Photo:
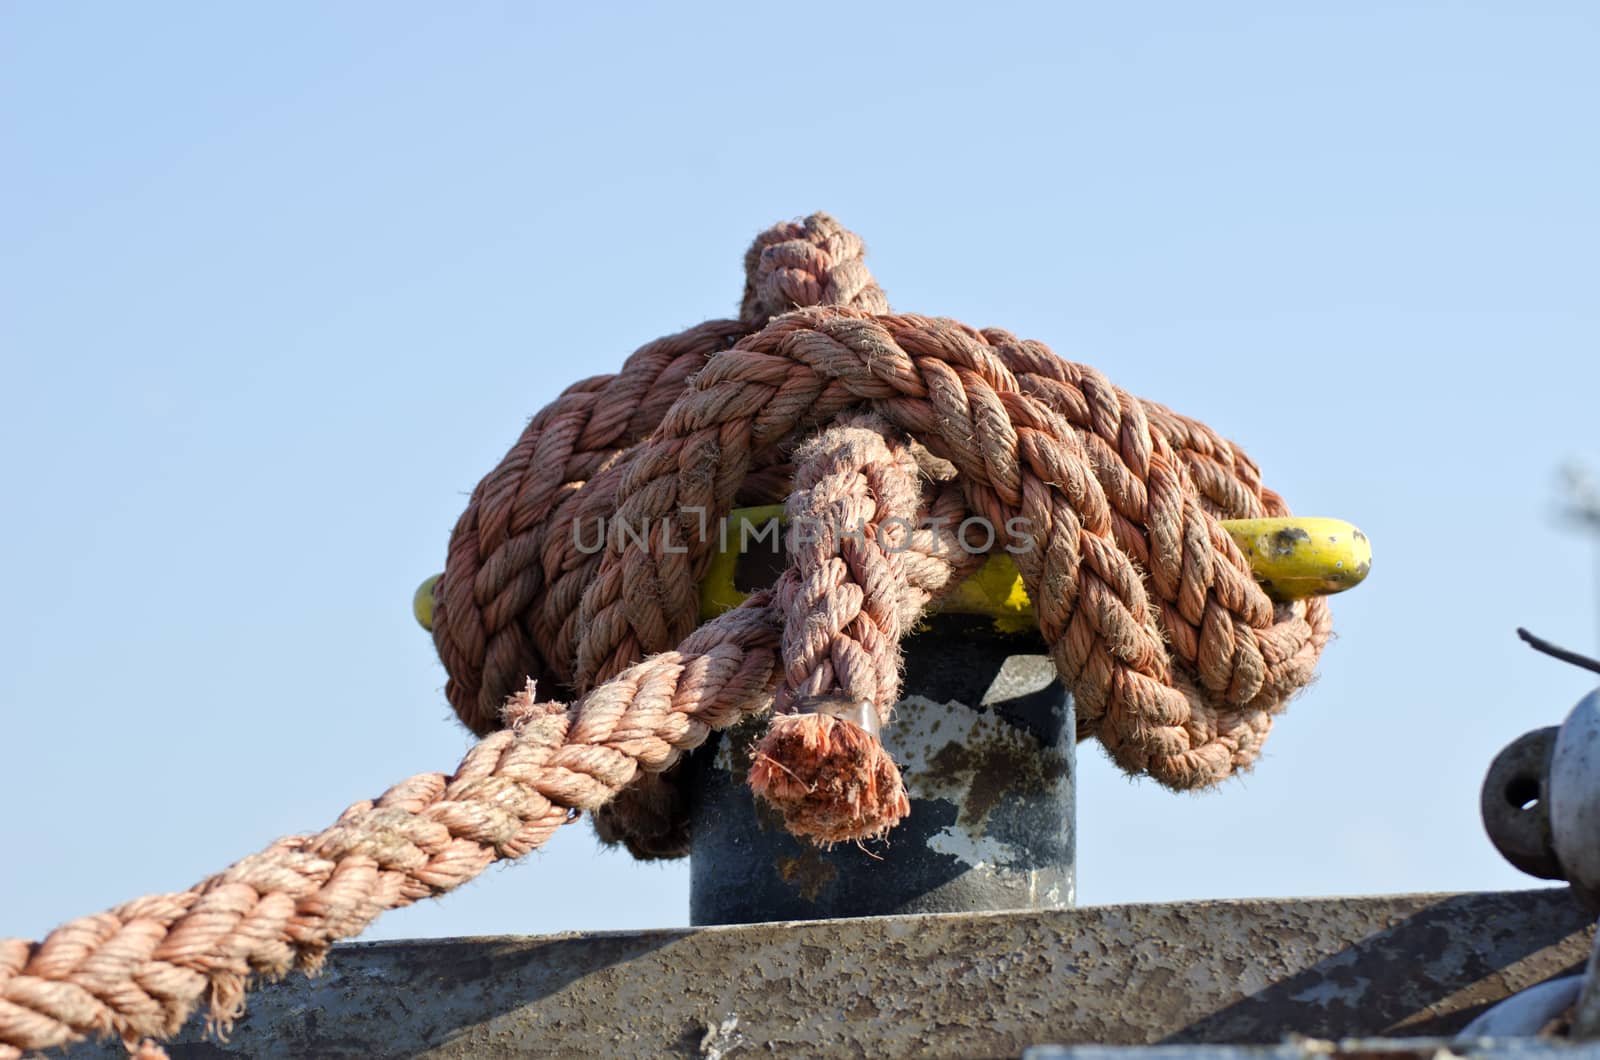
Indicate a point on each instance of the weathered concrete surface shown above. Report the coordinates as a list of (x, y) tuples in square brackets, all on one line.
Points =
[(1317, 1049), (967, 985)]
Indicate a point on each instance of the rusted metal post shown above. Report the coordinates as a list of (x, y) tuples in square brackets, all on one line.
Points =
[(985, 740)]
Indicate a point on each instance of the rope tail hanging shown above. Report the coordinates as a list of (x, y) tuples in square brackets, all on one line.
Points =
[(888, 429), (858, 578)]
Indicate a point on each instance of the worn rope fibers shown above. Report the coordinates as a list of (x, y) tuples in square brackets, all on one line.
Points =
[(1176, 658)]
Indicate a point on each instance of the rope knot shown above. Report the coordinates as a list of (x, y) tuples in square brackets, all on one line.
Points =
[(814, 262), (887, 438)]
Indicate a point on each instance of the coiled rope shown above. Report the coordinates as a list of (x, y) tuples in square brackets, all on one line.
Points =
[(859, 418)]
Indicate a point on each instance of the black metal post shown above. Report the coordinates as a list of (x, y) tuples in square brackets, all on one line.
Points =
[(985, 740)]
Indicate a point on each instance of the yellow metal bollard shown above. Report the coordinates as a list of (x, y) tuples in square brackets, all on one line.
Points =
[(1293, 558)]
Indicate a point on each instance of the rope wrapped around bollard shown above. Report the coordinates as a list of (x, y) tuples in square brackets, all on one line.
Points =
[(889, 429)]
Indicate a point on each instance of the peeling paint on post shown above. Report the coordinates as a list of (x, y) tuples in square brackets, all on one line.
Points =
[(985, 740)]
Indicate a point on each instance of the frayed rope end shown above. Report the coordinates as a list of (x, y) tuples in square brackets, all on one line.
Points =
[(831, 779), (523, 708)]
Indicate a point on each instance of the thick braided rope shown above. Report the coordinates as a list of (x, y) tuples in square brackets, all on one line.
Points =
[(507, 607), (851, 587), (866, 558), (816, 261), (139, 970), (1081, 476), (846, 593), (511, 599), (499, 617)]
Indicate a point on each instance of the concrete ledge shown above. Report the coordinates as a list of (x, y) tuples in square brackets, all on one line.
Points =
[(968, 985), (1317, 1049)]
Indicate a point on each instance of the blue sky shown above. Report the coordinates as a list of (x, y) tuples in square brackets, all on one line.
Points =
[(279, 283)]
